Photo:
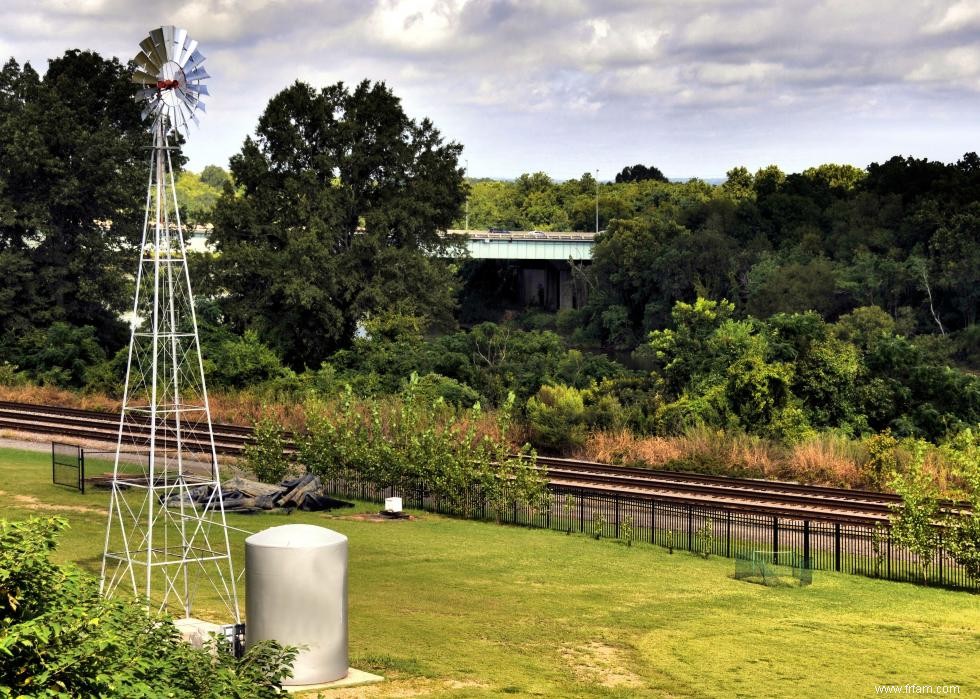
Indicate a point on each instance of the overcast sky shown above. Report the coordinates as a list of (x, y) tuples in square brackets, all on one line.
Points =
[(691, 86)]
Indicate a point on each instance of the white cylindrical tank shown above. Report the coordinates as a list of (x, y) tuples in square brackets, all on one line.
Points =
[(296, 593)]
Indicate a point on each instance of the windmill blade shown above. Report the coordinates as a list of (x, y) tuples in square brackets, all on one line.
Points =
[(191, 114), (180, 37), (194, 103), (196, 59), (144, 78), (202, 90), (199, 74), (189, 50), (150, 51), (156, 35), (144, 62), (183, 119), (168, 41)]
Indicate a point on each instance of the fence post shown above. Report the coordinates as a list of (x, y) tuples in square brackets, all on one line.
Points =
[(940, 554), (551, 502), (728, 533), (888, 542), (581, 511), (81, 469), (653, 522), (837, 546), (690, 525), (775, 541), (806, 544), (617, 514)]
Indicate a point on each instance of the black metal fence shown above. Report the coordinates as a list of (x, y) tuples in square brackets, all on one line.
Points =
[(68, 465), (860, 549)]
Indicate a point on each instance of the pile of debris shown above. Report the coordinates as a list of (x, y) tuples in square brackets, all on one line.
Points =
[(242, 495)]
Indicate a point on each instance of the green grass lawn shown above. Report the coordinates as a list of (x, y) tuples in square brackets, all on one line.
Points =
[(452, 608)]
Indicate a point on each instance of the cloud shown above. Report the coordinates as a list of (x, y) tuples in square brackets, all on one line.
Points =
[(570, 67)]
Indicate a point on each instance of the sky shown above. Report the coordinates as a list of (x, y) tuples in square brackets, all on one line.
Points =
[(694, 87)]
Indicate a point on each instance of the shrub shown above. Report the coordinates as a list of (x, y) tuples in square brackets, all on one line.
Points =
[(598, 523), (61, 355), (913, 520), (265, 457), (704, 538), (434, 386), (412, 442), (626, 529), (60, 638), (556, 417)]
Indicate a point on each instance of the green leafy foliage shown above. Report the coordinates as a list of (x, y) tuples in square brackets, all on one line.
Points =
[(626, 530), (342, 200), (598, 523), (415, 443), (704, 538), (265, 456), (72, 178), (60, 638), (913, 522), (963, 530), (556, 417)]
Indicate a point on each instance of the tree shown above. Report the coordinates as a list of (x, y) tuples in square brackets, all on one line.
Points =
[(913, 521), (343, 198), (196, 198), (640, 173), (215, 176), (956, 251), (72, 179)]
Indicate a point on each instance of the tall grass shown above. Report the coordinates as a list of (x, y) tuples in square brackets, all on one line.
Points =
[(823, 459)]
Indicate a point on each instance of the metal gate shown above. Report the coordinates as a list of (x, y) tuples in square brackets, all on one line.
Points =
[(68, 465)]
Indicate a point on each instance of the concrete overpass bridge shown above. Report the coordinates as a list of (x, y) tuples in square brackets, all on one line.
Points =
[(496, 244), (538, 263), (543, 262)]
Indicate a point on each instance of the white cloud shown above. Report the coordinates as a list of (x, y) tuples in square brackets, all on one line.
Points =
[(735, 68)]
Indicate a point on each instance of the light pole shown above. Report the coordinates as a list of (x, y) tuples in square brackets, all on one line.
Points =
[(466, 224), (597, 202)]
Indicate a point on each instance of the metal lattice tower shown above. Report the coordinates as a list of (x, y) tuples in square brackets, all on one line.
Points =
[(161, 543)]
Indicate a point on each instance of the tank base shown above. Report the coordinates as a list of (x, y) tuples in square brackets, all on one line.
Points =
[(355, 678)]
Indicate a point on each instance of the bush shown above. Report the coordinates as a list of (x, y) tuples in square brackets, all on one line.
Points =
[(265, 457), (242, 361), (61, 355), (436, 386), (412, 442), (556, 417), (60, 638)]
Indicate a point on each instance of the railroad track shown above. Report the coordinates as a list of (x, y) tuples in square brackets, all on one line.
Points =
[(775, 498)]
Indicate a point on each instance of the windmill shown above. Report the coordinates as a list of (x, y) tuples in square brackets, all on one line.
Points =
[(161, 542)]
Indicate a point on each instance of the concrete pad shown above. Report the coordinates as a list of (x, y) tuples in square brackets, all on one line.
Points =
[(196, 631), (355, 678)]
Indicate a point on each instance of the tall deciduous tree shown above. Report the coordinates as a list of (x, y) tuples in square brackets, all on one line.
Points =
[(343, 200), (72, 164)]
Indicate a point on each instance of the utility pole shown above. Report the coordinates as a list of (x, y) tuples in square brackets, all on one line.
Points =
[(466, 225), (597, 202)]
